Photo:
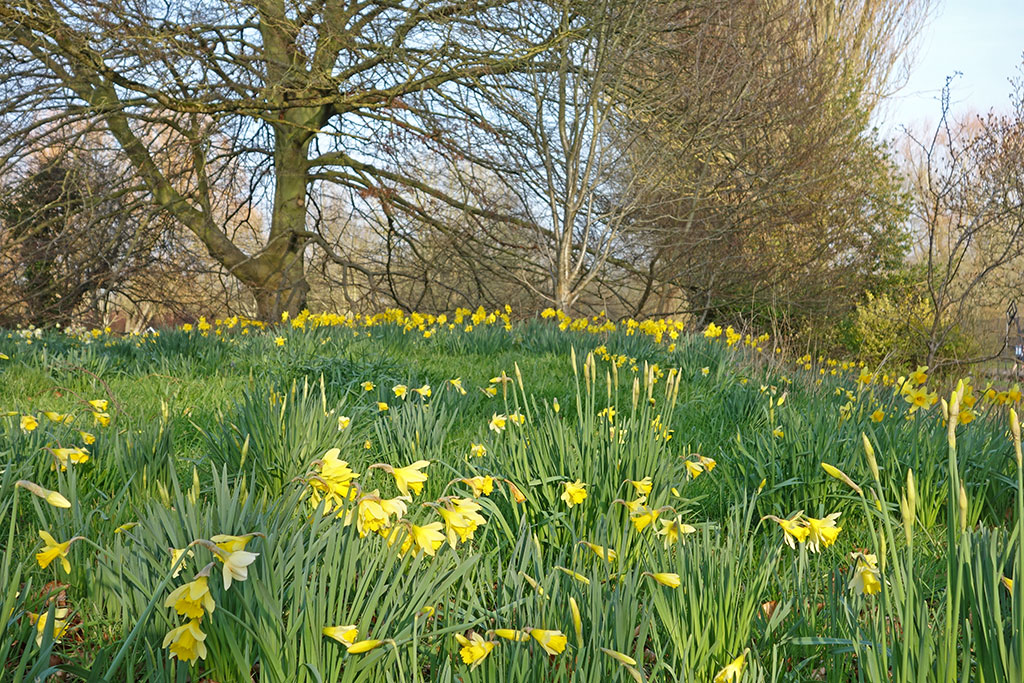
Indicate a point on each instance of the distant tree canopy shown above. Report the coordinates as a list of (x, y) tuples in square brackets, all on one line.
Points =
[(652, 156)]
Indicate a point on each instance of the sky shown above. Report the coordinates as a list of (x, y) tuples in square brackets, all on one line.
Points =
[(983, 40)]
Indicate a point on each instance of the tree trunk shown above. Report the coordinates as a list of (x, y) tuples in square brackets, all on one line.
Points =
[(280, 284)]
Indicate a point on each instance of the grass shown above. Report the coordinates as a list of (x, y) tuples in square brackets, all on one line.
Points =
[(229, 428)]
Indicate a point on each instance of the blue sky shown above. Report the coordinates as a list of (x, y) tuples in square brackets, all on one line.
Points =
[(983, 39)]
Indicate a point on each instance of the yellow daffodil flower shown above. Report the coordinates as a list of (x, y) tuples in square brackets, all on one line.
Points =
[(346, 635), (60, 624), (606, 554), (408, 478), (665, 578), (474, 648), (191, 599), (51, 497), (822, 532), (865, 579), (52, 550), (400, 390), (28, 423), (573, 493), (673, 530), (643, 487), (481, 485), (733, 671), (477, 450), (186, 642), (497, 423), (368, 386), (553, 642)]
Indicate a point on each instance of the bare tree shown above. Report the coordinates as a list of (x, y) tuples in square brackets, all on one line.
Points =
[(281, 94)]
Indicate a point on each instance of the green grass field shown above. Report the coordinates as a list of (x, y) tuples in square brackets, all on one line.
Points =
[(600, 503)]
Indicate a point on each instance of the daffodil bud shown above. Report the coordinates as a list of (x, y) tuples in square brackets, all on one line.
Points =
[(572, 357), (636, 391), (837, 473), (519, 377), (954, 416), (911, 493), (869, 452), (962, 503), (945, 409)]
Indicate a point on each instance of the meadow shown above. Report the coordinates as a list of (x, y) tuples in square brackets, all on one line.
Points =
[(405, 497)]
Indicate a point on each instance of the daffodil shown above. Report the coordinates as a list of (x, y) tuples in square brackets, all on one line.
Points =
[(186, 642), (497, 423), (400, 390), (794, 529), (423, 391), (865, 579), (236, 565), (368, 386), (673, 530), (344, 421), (822, 532), (102, 419), (457, 384), (60, 624), (514, 491), (87, 438), (481, 485), (1007, 583), (52, 550), (474, 648), (28, 423), (231, 544), (733, 671), (643, 517), (51, 497), (643, 487), (408, 478), (176, 554), (99, 404), (73, 455), (693, 469), (606, 554), (477, 450), (878, 415), (346, 635), (191, 599), (427, 538), (460, 520), (382, 406), (579, 577), (553, 642), (59, 418), (573, 493)]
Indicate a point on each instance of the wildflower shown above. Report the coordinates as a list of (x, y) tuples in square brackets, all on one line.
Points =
[(368, 386), (705, 371), (707, 463), (665, 578), (673, 530), (1007, 583), (497, 423), (344, 421), (490, 392), (279, 341), (175, 556), (231, 543), (190, 599), (28, 423), (794, 529), (878, 415), (236, 566), (606, 554), (474, 648), (60, 624), (919, 376), (511, 634), (619, 657), (693, 469), (643, 517), (643, 487), (865, 579), (66, 455), (553, 642), (99, 405), (87, 438), (517, 418), (477, 450), (574, 493), (400, 390), (427, 538), (102, 419), (480, 485), (822, 532), (423, 391), (461, 519), (407, 478), (346, 635), (186, 641), (554, 405), (381, 406), (920, 398), (457, 383), (51, 550), (52, 497), (733, 671), (58, 418)]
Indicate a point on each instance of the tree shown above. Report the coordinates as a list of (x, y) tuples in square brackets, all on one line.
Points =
[(279, 94)]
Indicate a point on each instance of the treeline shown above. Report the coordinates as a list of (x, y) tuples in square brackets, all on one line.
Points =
[(641, 157)]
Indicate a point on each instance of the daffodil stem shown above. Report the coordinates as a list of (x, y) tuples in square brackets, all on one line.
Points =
[(157, 593)]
